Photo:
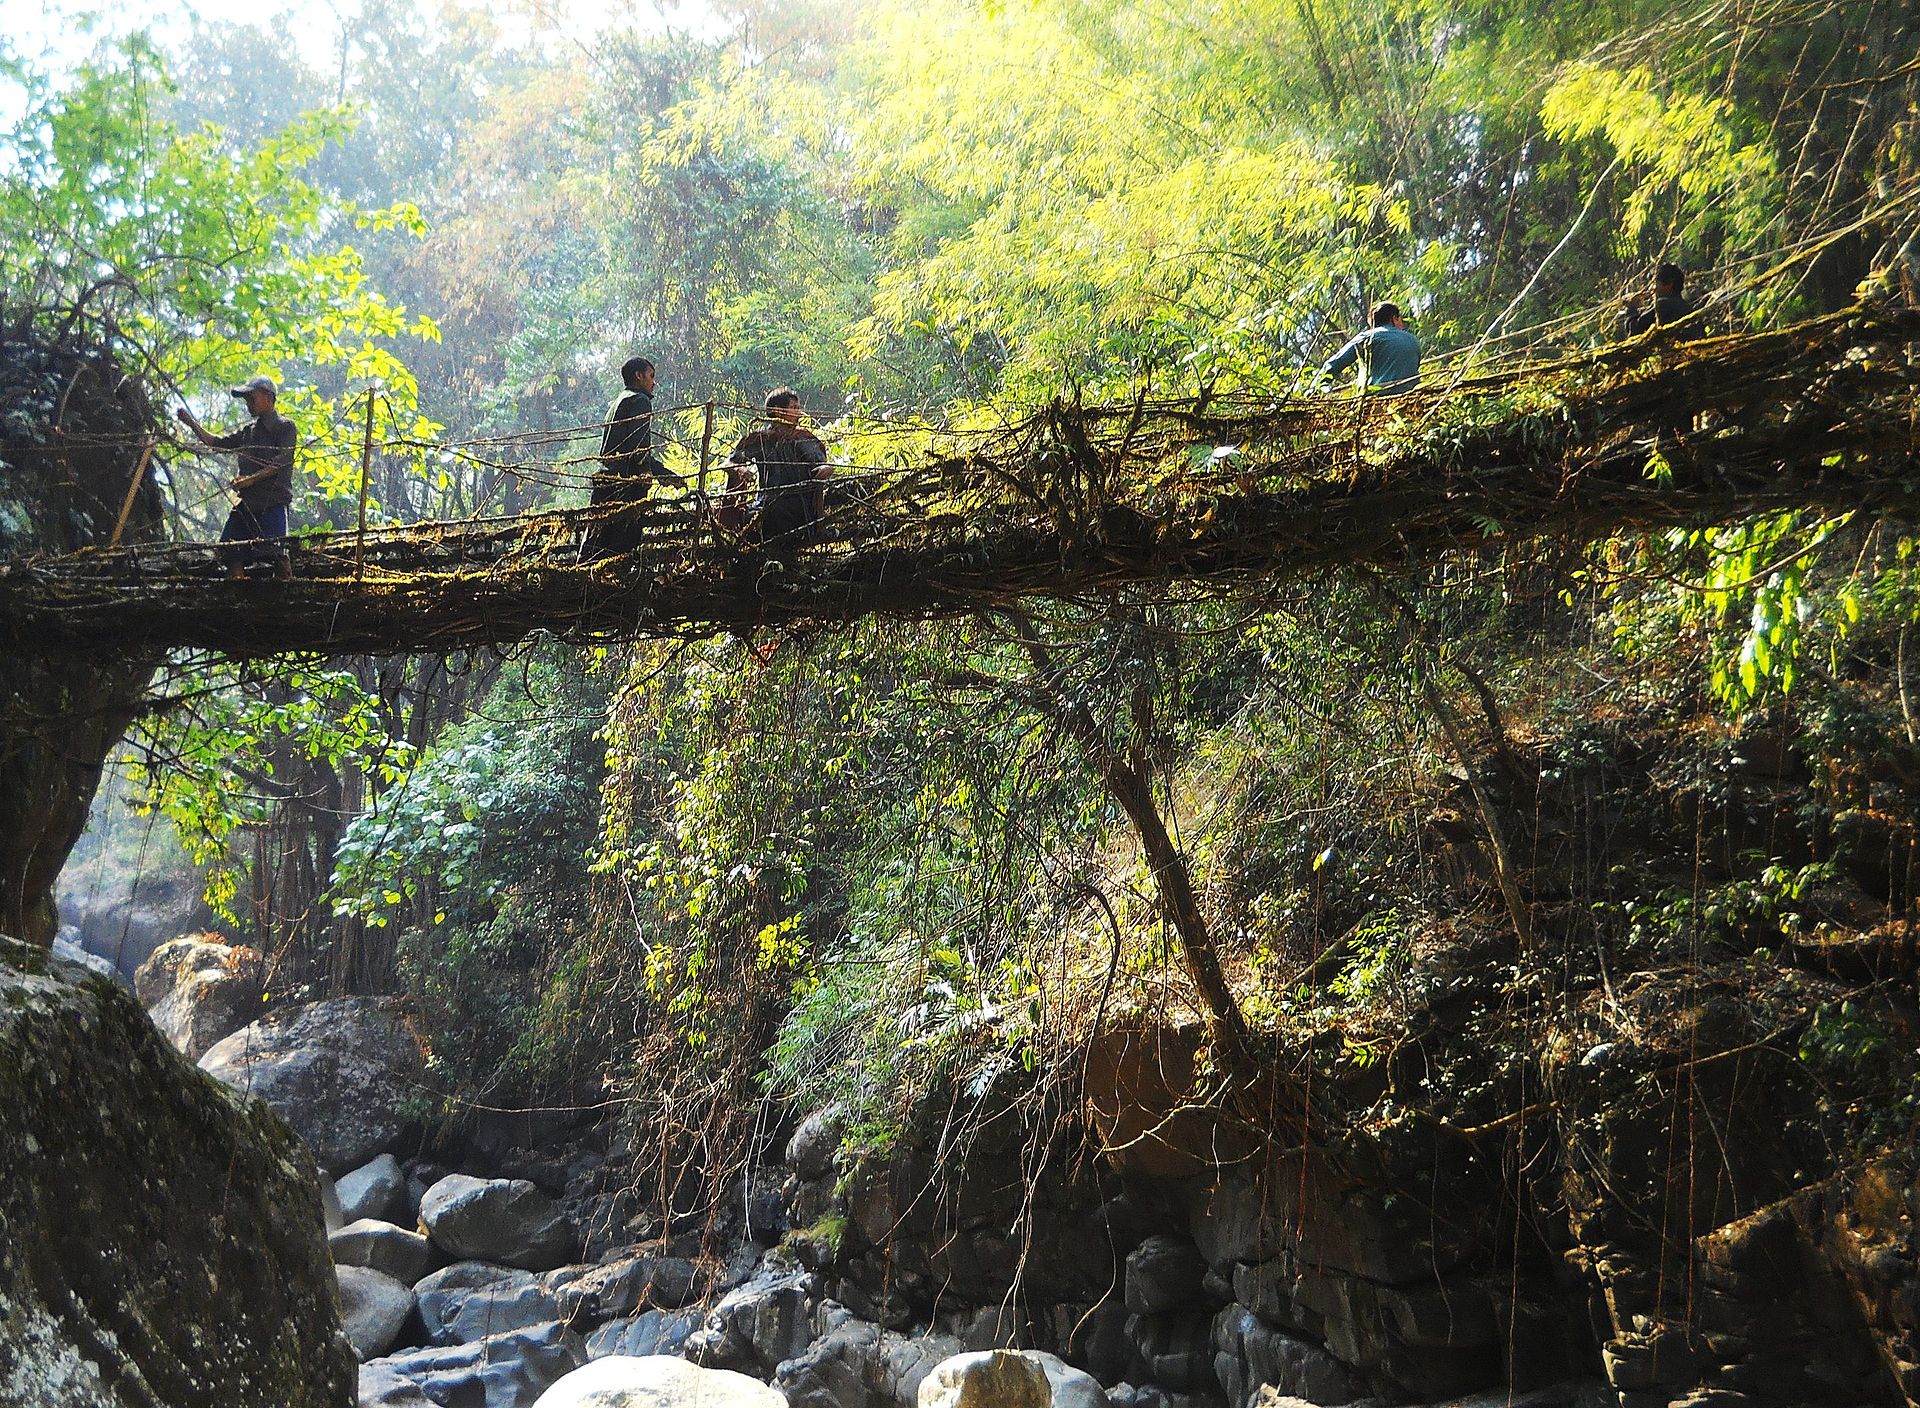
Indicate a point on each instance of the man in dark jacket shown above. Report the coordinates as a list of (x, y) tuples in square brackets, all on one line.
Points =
[(1388, 355), (791, 466), (257, 526), (1670, 305), (628, 467)]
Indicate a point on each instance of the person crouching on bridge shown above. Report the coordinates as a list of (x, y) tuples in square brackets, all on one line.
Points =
[(1388, 354), (790, 463), (257, 527), (628, 467)]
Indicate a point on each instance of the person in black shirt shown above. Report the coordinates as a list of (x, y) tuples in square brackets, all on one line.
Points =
[(790, 465), (257, 526), (1670, 305), (628, 467)]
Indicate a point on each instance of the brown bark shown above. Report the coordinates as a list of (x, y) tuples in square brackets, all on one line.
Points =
[(68, 481), (1128, 778)]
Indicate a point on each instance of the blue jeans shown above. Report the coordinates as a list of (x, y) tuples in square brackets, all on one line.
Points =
[(246, 525)]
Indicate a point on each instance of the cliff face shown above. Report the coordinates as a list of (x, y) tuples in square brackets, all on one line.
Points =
[(71, 426), (164, 1236)]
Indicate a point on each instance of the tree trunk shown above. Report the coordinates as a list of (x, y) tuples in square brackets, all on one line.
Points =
[(71, 457)]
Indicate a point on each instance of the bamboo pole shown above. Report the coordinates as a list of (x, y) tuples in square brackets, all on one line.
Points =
[(366, 469), (706, 461), (133, 489)]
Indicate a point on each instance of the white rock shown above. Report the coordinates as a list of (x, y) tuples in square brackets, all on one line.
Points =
[(657, 1381), (991, 1378)]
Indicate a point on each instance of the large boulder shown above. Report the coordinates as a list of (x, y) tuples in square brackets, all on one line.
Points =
[(377, 1189), (990, 1378), (343, 1073), (374, 1307), (199, 989), (160, 1230), (503, 1220), (509, 1370), (398, 1252), (471, 1300), (657, 1381)]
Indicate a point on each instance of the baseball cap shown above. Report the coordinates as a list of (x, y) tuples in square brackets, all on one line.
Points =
[(259, 383)]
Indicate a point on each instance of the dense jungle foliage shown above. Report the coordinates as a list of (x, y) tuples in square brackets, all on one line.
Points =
[(854, 864)]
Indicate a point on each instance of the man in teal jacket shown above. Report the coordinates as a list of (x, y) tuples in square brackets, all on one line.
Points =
[(1388, 352)]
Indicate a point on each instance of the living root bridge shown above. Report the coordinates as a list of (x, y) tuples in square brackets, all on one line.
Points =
[(1081, 502)]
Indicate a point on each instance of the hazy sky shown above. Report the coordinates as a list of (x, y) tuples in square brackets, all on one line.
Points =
[(55, 34)]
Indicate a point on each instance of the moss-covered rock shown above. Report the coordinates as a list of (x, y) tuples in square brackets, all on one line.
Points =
[(163, 1236)]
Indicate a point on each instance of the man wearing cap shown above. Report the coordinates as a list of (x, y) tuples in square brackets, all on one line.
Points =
[(264, 448)]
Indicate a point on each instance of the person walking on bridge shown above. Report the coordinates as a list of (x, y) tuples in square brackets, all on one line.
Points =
[(790, 463), (257, 526), (628, 467), (1389, 355)]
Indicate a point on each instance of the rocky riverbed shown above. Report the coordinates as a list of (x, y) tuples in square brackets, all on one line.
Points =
[(1192, 1266)]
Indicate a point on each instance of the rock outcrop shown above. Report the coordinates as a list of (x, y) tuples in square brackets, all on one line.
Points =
[(343, 1073), (163, 1236)]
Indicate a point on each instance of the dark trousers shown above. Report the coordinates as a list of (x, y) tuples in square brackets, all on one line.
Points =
[(259, 538), (618, 519)]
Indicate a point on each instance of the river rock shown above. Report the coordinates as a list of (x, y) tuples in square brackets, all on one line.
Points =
[(343, 1073), (992, 1378), (503, 1220), (399, 1252), (651, 1332), (837, 1370), (509, 1370), (1069, 1387), (118, 1161), (200, 988), (471, 1300), (1164, 1273), (377, 1189), (373, 1306), (629, 1284), (756, 1325), (657, 1381)]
